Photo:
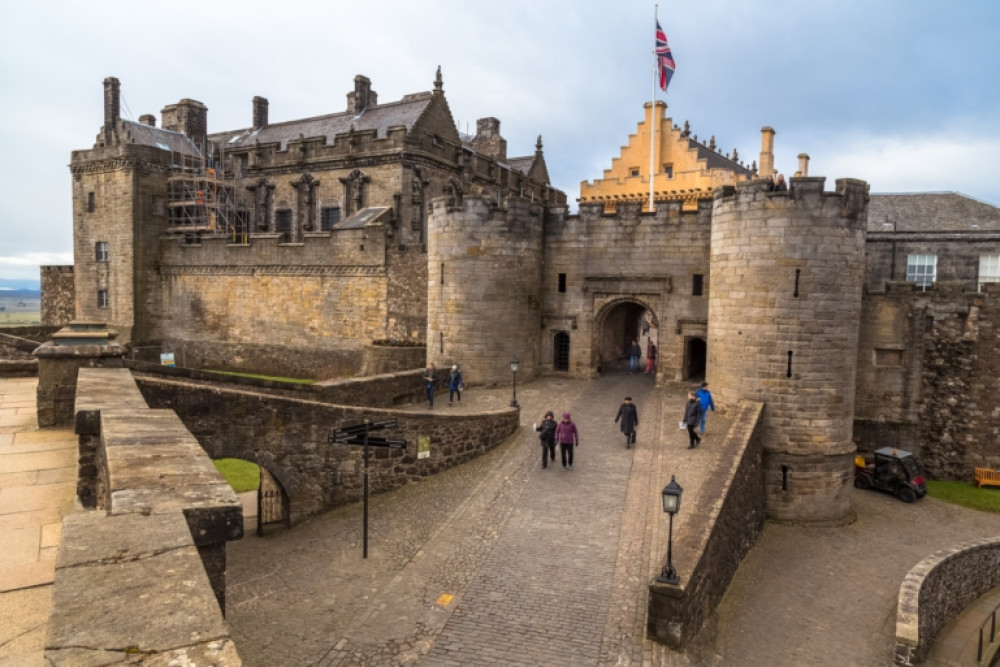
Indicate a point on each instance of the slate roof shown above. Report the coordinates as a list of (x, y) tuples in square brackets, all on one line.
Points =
[(132, 132), (931, 212), (521, 164), (380, 118), (363, 217), (716, 161)]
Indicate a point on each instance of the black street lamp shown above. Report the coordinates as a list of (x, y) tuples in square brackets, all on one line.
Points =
[(515, 366), (671, 505)]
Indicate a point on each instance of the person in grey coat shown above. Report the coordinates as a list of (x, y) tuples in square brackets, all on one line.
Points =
[(629, 417), (692, 417)]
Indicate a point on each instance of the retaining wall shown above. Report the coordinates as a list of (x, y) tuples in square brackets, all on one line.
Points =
[(937, 589), (731, 512)]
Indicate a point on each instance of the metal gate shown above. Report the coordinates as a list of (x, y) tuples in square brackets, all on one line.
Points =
[(560, 351), (272, 503)]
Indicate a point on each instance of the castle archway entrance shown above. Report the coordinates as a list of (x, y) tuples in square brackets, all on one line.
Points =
[(617, 324)]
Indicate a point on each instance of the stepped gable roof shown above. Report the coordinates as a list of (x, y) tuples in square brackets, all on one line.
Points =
[(931, 212), (380, 118), (716, 161), (132, 132)]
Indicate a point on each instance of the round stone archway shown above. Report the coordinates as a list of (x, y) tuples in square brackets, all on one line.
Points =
[(616, 325)]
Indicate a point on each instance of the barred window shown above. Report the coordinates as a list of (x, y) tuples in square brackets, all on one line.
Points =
[(101, 251), (921, 269)]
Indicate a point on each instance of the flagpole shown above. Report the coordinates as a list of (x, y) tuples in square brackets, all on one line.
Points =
[(652, 115)]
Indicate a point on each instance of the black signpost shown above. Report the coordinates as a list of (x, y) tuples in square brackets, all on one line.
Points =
[(357, 434)]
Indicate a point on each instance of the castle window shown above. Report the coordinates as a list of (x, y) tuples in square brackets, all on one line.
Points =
[(101, 251), (921, 269), (283, 224), (668, 169), (329, 216), (634, 171), (90, 202), (244, 164), (989, 269), (102, 298), (562, 282), (698, 285)]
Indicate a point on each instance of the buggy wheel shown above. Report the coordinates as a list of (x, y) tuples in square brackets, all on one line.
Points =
[(906, 494), (862, 482)]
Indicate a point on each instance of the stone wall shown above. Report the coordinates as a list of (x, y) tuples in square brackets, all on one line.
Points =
[(288, 437), (627, 257), (927, 366), (722, 525), (957, 255), (784, 317), (58, 295), (937, 589)]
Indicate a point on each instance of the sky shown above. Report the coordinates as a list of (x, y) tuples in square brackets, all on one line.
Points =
[(904, 94)]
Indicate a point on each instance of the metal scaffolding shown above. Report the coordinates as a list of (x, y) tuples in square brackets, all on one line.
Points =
[(201, 200)]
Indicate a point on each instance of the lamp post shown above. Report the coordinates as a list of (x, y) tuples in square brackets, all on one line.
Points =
[(671, 505), (515, 366)]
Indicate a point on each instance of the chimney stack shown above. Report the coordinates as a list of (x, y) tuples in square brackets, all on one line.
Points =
[(112, 107), (259, 112), (362, 96), (189, 117), (148, 119), (767, 152), (803, 165)]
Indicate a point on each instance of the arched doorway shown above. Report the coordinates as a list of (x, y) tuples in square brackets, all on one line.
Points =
[(618, 324), (272, 503), (695, 354), (560, 351)]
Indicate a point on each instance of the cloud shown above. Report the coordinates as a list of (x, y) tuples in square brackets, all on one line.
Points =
[(25, 267)]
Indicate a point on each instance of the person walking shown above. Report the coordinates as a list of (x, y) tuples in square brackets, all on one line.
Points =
[(455, 385), (567, 436), (430, 379), (547, 436), (629, 417), (634, 352), (651, 358), (692, 416), (705, 397)]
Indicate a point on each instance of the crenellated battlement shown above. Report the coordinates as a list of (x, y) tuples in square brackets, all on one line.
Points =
[(848, 201)]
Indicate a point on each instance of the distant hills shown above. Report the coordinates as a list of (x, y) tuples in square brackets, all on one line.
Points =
[(20, 285)]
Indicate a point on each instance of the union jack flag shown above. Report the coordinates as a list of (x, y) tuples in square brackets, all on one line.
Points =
[(665, 64)]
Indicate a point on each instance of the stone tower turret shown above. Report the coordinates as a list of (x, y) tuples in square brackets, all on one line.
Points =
[(483, 287), (787, 272)]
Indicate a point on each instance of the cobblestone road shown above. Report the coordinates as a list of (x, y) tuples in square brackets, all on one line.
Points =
[(499, 562)]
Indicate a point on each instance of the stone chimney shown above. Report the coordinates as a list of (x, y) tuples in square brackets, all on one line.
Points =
[(766, 152), (112, 107), (803, 171), (189, 117), (259, 112), (363, 96), (148, 119), (488, 141)]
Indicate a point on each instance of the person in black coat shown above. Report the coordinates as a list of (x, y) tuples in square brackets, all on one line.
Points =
[(547, 436), (692, 417), (629, 417)]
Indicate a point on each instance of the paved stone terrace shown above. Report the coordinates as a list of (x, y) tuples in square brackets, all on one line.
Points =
[(37, 488), (550, 567)]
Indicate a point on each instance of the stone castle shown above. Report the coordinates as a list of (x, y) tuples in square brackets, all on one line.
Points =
[(297, 248)]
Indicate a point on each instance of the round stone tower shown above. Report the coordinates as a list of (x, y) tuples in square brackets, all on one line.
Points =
[(484, 287), (787, 271)]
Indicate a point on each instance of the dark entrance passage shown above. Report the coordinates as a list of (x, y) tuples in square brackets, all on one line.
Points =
[(621, 326), (694, 359), (560, 351)]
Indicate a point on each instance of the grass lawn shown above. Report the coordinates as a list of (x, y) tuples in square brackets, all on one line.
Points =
[(263, 377), (241, 475), (986, 499)]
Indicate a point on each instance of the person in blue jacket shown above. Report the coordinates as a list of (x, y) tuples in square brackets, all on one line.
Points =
[(705, 398)]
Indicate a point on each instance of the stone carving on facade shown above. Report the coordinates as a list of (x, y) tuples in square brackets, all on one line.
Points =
[(262, 193), (453, 190), (305, 191), (354, 191)]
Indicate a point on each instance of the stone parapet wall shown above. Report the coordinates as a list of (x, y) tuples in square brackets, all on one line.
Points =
[(722, 526), (784, 315), (483, 287), (288, 437), (937, 589), (58, 295)]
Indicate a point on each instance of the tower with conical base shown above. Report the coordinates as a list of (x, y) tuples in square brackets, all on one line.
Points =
[(787, 272)]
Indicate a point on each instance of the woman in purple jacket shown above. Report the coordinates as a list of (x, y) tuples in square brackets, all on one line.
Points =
[(567, 436)]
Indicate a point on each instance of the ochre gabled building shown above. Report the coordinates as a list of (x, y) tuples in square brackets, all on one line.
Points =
[(686, 170)]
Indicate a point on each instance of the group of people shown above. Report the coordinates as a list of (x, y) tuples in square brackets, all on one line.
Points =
[(634, 354), (455, 384), (567, 436)]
